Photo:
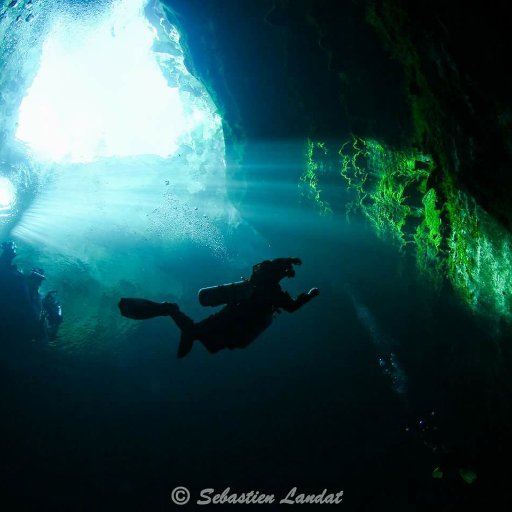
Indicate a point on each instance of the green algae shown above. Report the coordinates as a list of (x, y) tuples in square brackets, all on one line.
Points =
[(385, 183), (316, 153), (450, 236)]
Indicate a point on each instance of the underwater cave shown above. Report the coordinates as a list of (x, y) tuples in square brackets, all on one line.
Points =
[(152, 148)]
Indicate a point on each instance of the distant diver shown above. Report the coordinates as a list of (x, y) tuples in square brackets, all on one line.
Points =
[(24, 313), (7, 267), (249, 310)]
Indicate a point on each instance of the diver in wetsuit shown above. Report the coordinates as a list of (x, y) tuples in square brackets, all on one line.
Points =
[(6, 259), (240, 322), (13, 294), (24, 313), (46, 312), (34, 312)]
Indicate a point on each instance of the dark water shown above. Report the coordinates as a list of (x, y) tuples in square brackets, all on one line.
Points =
[(314, 403), (306, 405)]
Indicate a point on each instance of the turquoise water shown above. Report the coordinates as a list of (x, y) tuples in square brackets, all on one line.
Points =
[(308, 404), (367, 389)]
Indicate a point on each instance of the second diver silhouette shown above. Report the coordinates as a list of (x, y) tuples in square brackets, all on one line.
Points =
[(249, 310)]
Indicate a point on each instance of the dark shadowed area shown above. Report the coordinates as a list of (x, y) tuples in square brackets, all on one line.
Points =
[(390, 386)]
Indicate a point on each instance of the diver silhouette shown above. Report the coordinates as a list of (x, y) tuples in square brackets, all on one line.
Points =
[(9, 252), (249, 310), (24, 313)]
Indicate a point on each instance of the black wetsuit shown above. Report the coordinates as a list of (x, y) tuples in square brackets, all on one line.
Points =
[(238, 324), (21, 311), (13, 299)]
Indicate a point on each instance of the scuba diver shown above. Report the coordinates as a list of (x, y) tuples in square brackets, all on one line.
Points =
[(34, 303), (249, 310), (24, 313), (7, 267), (46, 311), (13, 292), (52, 311)]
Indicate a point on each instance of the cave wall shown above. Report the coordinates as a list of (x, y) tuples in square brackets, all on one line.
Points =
[(431, 74), (454, 57), (286, 71)]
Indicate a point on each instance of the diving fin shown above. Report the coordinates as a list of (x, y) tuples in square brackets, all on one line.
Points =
[(142, 309), (185, 346)]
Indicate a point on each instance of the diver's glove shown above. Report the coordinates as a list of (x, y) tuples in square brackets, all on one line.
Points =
[(304, 298), (314, 292)]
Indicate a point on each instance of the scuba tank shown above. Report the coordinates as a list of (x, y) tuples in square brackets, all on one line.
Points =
[(225, 293), (52, 314)]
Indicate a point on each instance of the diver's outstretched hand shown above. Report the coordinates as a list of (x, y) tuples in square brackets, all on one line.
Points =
[(314, 292)]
